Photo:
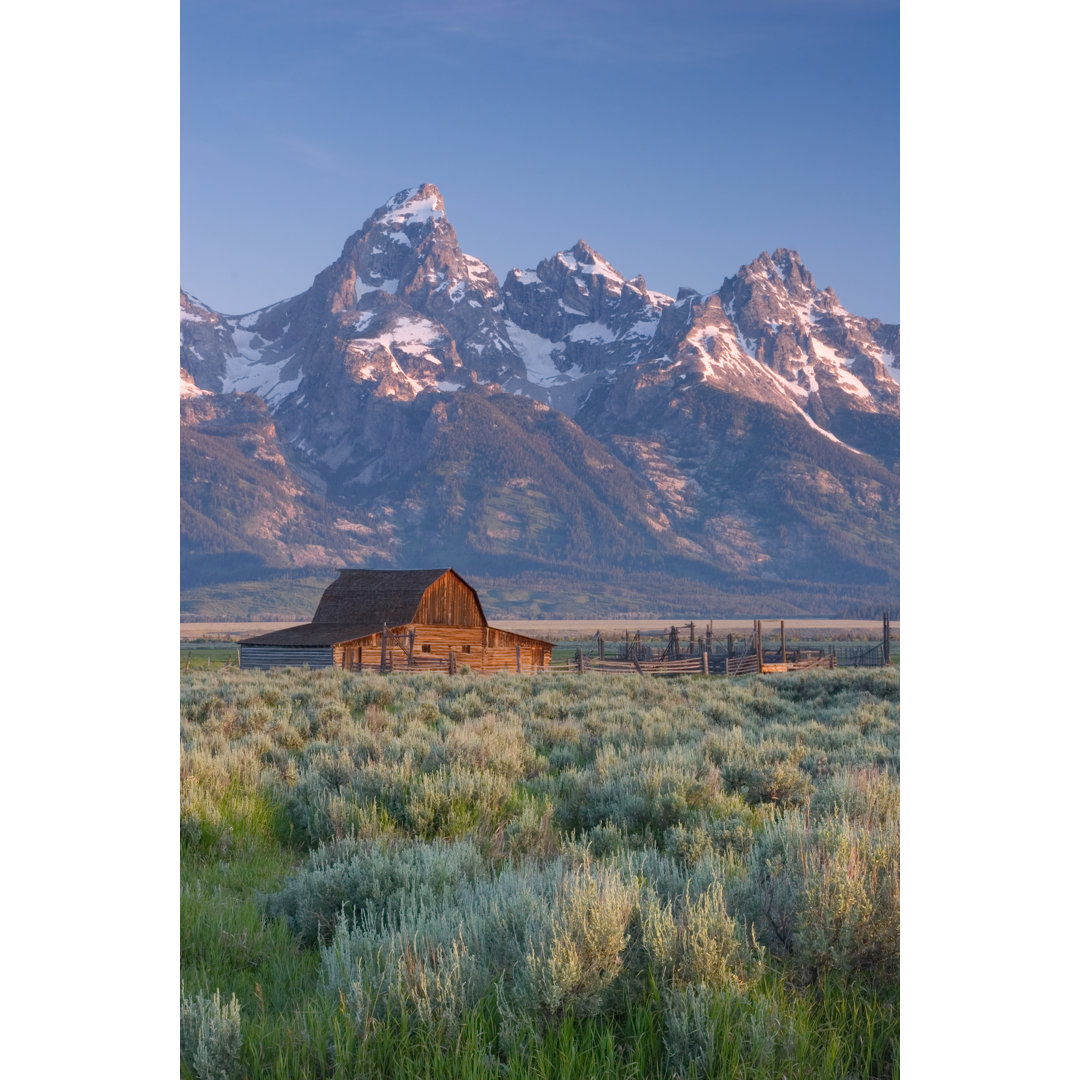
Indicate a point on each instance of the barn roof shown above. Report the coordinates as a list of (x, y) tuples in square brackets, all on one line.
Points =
[(316, 634), (359, 603), (382, 596)]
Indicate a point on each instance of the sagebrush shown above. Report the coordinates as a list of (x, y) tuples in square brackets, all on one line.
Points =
[(488, 868)]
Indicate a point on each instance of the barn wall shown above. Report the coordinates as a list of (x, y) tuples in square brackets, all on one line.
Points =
[(268, 656), (475, 646), (449, 602), (538, 652), (354, 654)]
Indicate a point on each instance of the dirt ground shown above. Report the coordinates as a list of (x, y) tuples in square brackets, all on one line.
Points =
[(556, 629)]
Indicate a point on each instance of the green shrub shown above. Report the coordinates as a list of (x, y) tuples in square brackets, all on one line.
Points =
[(450, 802), (364, 879), (695, 942), (576, 870), (825, 894), (690, 1024), (210, 1036), (531, 831), (575, 966), (871, 796)]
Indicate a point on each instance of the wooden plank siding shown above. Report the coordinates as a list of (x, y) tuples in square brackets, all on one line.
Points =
[(450, 601), (484, 648), (267, 656)]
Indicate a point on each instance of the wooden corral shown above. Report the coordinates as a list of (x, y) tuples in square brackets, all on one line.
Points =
[(705, 655), (392, 620)]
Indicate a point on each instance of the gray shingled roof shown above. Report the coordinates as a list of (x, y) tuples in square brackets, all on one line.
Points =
[(315, 634), (359, 603), (390, 596)]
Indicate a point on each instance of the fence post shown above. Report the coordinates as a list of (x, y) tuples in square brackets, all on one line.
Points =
[(580, 657), (451, 667), (517, 650), (783, 644), (760, 656), (704, 662)]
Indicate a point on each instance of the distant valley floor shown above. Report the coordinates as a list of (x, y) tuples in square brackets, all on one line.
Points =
[(577, 628), (535, 598)]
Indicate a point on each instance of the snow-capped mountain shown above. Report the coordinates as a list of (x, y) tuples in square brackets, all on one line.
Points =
[(391, 382)]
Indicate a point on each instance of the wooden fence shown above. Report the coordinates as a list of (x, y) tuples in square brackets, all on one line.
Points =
[(861, 655), (697, 665)]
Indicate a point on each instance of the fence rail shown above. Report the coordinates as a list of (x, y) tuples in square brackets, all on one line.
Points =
[(697, 665), (850, 656), (742, 665)]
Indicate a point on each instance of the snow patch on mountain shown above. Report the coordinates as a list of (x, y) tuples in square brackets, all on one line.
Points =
[(247, 373), (839, 366), (412, 206), (539, 356), (599, 266), (479, 275), (414, 336), (644, 329), (827, 434)]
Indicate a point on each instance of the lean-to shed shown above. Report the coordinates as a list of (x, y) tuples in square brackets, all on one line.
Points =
[(393, 619)]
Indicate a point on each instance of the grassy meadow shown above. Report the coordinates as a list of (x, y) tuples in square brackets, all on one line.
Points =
[(550, 876)]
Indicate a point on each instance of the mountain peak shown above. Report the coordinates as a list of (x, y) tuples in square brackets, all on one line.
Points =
[(582, 258), (785, 257), (412, 205), (583, 252), (792, 269)]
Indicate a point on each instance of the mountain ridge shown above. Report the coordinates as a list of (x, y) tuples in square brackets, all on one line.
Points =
[(567, 417)]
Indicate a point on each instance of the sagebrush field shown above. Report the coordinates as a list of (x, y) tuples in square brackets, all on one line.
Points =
[(555, 876)]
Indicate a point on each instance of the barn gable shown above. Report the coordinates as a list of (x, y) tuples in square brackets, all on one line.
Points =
[(397, 597)]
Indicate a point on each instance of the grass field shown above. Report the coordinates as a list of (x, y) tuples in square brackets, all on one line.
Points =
[(555, 876)]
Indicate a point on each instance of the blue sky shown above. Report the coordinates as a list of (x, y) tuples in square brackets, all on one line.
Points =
[(679, 140)]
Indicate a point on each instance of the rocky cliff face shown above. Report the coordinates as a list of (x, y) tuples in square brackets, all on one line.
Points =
[(570, 417), (244, 510)]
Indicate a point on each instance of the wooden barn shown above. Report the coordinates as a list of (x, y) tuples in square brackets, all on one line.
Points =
[(388, 620)]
